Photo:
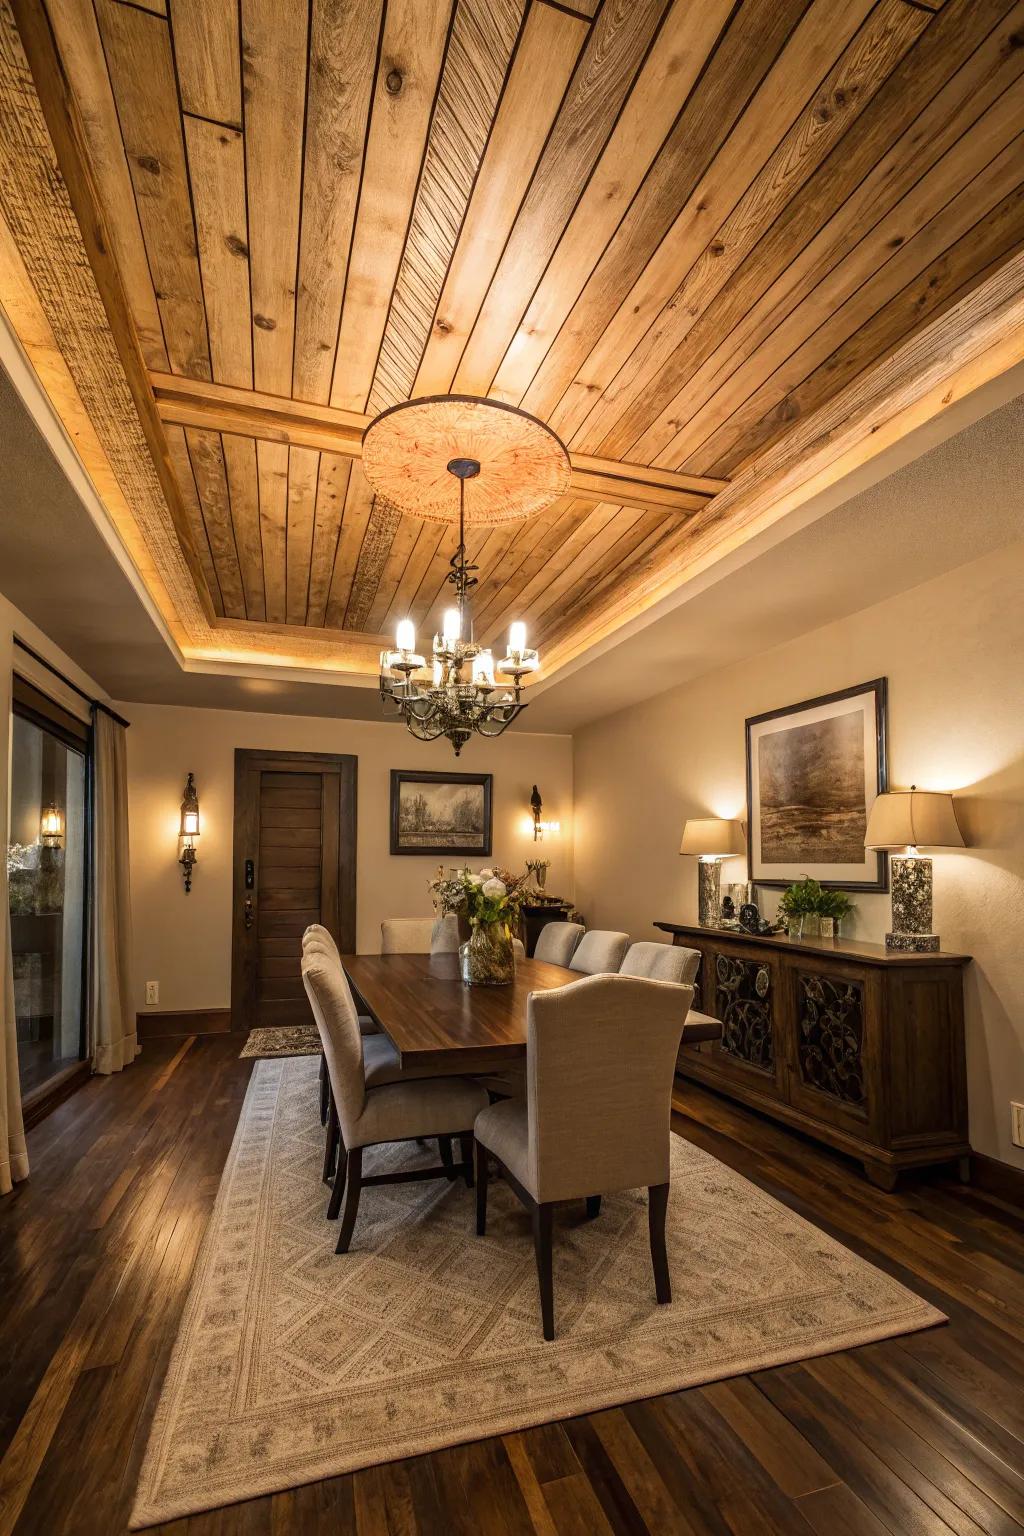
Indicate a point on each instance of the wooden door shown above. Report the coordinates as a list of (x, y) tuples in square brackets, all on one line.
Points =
[(294, 864)]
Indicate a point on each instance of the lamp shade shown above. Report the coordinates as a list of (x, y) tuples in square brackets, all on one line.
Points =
[(913, 818), (712, 835)]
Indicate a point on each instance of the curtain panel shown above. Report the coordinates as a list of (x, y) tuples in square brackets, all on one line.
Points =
[(13, 1153), (114, 1040)]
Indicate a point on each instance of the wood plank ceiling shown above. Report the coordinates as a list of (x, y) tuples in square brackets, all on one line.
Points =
[(672, 229)]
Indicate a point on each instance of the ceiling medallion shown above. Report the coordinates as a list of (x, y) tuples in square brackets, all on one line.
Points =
[(420, 457)]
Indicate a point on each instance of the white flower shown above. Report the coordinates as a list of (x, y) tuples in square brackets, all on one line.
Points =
[(487, 874), (475, 879), (493, 889)]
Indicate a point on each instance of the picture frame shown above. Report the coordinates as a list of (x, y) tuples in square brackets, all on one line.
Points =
[(441, 813), (813, 771)]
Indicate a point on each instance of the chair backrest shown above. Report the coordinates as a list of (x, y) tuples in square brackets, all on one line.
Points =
[(316, 936), (557, 941), (335, 1015), (406, 935), (519, 949), (444, 935), (600, 1062), (600, 950), (661, 962)]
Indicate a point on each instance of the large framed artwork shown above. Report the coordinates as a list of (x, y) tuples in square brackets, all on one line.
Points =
[(440, 812), (813, 771)]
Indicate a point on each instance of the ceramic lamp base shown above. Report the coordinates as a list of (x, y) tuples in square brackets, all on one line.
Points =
[(709, 892), (912, 907)]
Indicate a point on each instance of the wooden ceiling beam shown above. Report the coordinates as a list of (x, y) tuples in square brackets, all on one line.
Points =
[(249, 413)]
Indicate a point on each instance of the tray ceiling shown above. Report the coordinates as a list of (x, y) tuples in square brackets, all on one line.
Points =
[(694, 239)]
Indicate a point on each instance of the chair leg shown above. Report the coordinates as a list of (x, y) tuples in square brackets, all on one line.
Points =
[(481, 1189), (466, 1147), (331, 1145), (542, 1225), (338, 1188), (444, 1144), (354, 1184), (593, 1206), (325, 1091), (657, 1209)]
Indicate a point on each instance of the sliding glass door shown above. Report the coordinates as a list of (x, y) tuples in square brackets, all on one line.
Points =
[(47, 863)]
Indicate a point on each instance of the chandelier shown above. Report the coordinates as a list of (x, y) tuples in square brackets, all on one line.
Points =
[(520, 467), (462, 697)]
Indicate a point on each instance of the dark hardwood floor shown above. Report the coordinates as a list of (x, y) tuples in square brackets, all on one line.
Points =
[(917, 1436)]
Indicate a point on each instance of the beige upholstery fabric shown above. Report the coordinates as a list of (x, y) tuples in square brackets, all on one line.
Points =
[(392, 1112), (335, 1015), (406, 935), (444, 936), (600, 1062), (557, 942), (599, 952), (661, 962), (519, 949), (436, 1106), (316, 939), (316, 933)]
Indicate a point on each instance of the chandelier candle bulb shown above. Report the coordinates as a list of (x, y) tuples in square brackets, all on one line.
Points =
[(405, 636), (517, 638), (451, 627)]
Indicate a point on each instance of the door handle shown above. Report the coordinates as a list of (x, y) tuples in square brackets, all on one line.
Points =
[(249, 912)]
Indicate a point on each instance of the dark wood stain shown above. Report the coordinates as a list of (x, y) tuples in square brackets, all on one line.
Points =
[(917, 1434)]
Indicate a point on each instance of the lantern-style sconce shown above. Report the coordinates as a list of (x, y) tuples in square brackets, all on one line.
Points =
[(51, 827), (537, 811), (189, 830)]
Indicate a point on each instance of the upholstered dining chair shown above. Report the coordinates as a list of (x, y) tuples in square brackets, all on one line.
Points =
[(595, 1118), (317, 937), (402, 1111), (661, 962), (557, 941), (601, 951), (406, 935)]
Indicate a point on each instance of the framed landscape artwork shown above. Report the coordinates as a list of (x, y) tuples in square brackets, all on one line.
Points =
[(813, 771), (440, 812)]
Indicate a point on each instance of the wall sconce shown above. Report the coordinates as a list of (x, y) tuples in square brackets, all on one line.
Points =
[(51, 827), (189, 830), (539, 826)]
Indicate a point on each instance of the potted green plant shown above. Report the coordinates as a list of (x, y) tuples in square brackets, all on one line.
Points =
[(833, 906), (799, 906)]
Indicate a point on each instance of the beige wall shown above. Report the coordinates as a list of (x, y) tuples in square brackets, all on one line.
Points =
[(184, 942), (953, 651)]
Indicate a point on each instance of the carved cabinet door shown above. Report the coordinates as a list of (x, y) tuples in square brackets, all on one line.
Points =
[(831, 1068), (740, 986)]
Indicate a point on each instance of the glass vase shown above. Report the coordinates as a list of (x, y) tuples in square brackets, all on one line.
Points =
[(487, 958)]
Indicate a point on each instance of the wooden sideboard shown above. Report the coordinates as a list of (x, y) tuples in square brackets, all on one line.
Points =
[(854, 1044)]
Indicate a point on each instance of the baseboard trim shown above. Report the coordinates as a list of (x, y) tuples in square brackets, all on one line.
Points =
[(999, 1179), (190, 1021)]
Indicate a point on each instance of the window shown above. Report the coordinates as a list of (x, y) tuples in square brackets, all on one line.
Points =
[(47, 862)]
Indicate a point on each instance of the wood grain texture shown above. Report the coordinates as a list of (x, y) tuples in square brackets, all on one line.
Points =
[(675, 233), (923, 1433)]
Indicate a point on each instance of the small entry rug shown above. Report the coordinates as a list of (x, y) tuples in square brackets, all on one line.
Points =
[(292, 1040), (294, 1364)]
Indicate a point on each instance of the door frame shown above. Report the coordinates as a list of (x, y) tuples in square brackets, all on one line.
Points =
[(249, 764)]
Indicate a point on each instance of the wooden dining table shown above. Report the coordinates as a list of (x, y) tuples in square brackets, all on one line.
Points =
[(433, 1020)]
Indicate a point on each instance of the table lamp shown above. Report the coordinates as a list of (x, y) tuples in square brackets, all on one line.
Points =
[(909, 819), (711, 839)]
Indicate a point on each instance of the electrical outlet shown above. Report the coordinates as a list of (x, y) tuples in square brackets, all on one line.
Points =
[(152, 993), (1017, 1124)]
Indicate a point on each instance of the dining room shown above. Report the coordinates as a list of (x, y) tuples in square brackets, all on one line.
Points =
[(511, 544)]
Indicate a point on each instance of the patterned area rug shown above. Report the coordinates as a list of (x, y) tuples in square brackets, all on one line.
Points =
[(294, 1364), (294, 1040)]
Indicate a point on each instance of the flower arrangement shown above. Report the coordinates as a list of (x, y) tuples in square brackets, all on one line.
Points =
[(483, 897)]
